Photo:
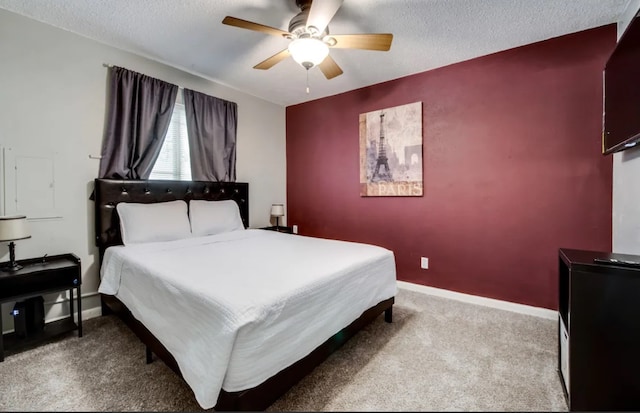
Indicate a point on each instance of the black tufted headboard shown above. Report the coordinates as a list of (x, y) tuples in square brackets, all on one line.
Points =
[(109, 192)]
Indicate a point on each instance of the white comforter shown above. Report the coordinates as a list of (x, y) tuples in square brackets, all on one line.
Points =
[(236, 308)]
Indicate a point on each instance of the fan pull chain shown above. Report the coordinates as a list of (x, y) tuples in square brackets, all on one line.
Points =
[(307, 81)]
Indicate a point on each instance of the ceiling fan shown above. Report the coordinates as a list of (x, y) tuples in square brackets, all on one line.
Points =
[(310, 38)]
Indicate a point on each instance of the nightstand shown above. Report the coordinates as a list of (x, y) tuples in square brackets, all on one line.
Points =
[(286, 230), (40, 276)]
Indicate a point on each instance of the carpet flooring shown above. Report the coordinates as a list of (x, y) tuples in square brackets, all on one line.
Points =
[(437, 355)]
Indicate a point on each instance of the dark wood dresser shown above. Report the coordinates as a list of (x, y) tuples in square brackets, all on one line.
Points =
[(599, 330)]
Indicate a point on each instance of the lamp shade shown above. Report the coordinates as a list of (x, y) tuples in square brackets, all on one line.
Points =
[(277, 210), (13, 228), (308, 51)]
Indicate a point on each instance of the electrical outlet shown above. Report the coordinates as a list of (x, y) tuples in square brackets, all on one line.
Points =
[(424, 263), (295, 229)]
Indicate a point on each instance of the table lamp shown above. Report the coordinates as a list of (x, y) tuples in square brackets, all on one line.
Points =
[(13, 228), (277, 210)]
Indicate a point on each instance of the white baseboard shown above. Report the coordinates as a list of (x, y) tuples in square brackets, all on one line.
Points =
[(92, 313), (86, 314), (487, 302)]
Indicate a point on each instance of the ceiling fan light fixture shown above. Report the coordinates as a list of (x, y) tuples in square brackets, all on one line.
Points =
[(309, 51)]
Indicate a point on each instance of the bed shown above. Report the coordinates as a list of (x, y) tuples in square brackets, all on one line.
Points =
[(240, 315)]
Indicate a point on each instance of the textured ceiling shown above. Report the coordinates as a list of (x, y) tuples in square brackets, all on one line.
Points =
[(188, 34)]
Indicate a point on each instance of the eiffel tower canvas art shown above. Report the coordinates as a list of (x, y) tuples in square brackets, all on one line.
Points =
[(391, 151)]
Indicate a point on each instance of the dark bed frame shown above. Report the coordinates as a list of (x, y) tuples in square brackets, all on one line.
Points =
[(108, 193)]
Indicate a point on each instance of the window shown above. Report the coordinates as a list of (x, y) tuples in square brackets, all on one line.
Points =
[(173, 163)]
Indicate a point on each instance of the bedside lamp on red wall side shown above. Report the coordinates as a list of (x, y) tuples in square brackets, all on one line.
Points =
[(277, 210)]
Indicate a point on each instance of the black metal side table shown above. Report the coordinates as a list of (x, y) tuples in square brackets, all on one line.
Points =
[(40, 276)]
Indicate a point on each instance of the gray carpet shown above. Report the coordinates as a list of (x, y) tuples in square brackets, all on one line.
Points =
[(437, 355)]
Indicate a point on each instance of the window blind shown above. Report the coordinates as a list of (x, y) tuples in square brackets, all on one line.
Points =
[(173, 163)]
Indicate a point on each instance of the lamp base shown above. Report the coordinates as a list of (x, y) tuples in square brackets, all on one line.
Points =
[(11, 267)]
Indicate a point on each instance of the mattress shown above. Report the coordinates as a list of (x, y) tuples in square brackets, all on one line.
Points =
[(236, 308)]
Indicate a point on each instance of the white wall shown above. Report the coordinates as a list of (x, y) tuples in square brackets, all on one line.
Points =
[(626, 180), (52, 99)]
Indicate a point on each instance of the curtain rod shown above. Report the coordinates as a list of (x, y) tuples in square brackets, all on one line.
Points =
[(107, 65)]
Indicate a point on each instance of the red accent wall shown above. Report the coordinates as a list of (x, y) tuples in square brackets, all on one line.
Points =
[(512, 166)]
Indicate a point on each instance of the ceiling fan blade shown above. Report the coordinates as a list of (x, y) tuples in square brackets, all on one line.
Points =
[(321, 13), (245, 24), (273, 60), (330, 68), (372, 41)]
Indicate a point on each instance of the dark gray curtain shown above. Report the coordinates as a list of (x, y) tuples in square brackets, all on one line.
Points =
[(211, 127), (138, 116)]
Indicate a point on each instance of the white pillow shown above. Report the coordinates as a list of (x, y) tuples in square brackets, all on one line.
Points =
[(214, 217), (162, 221)]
